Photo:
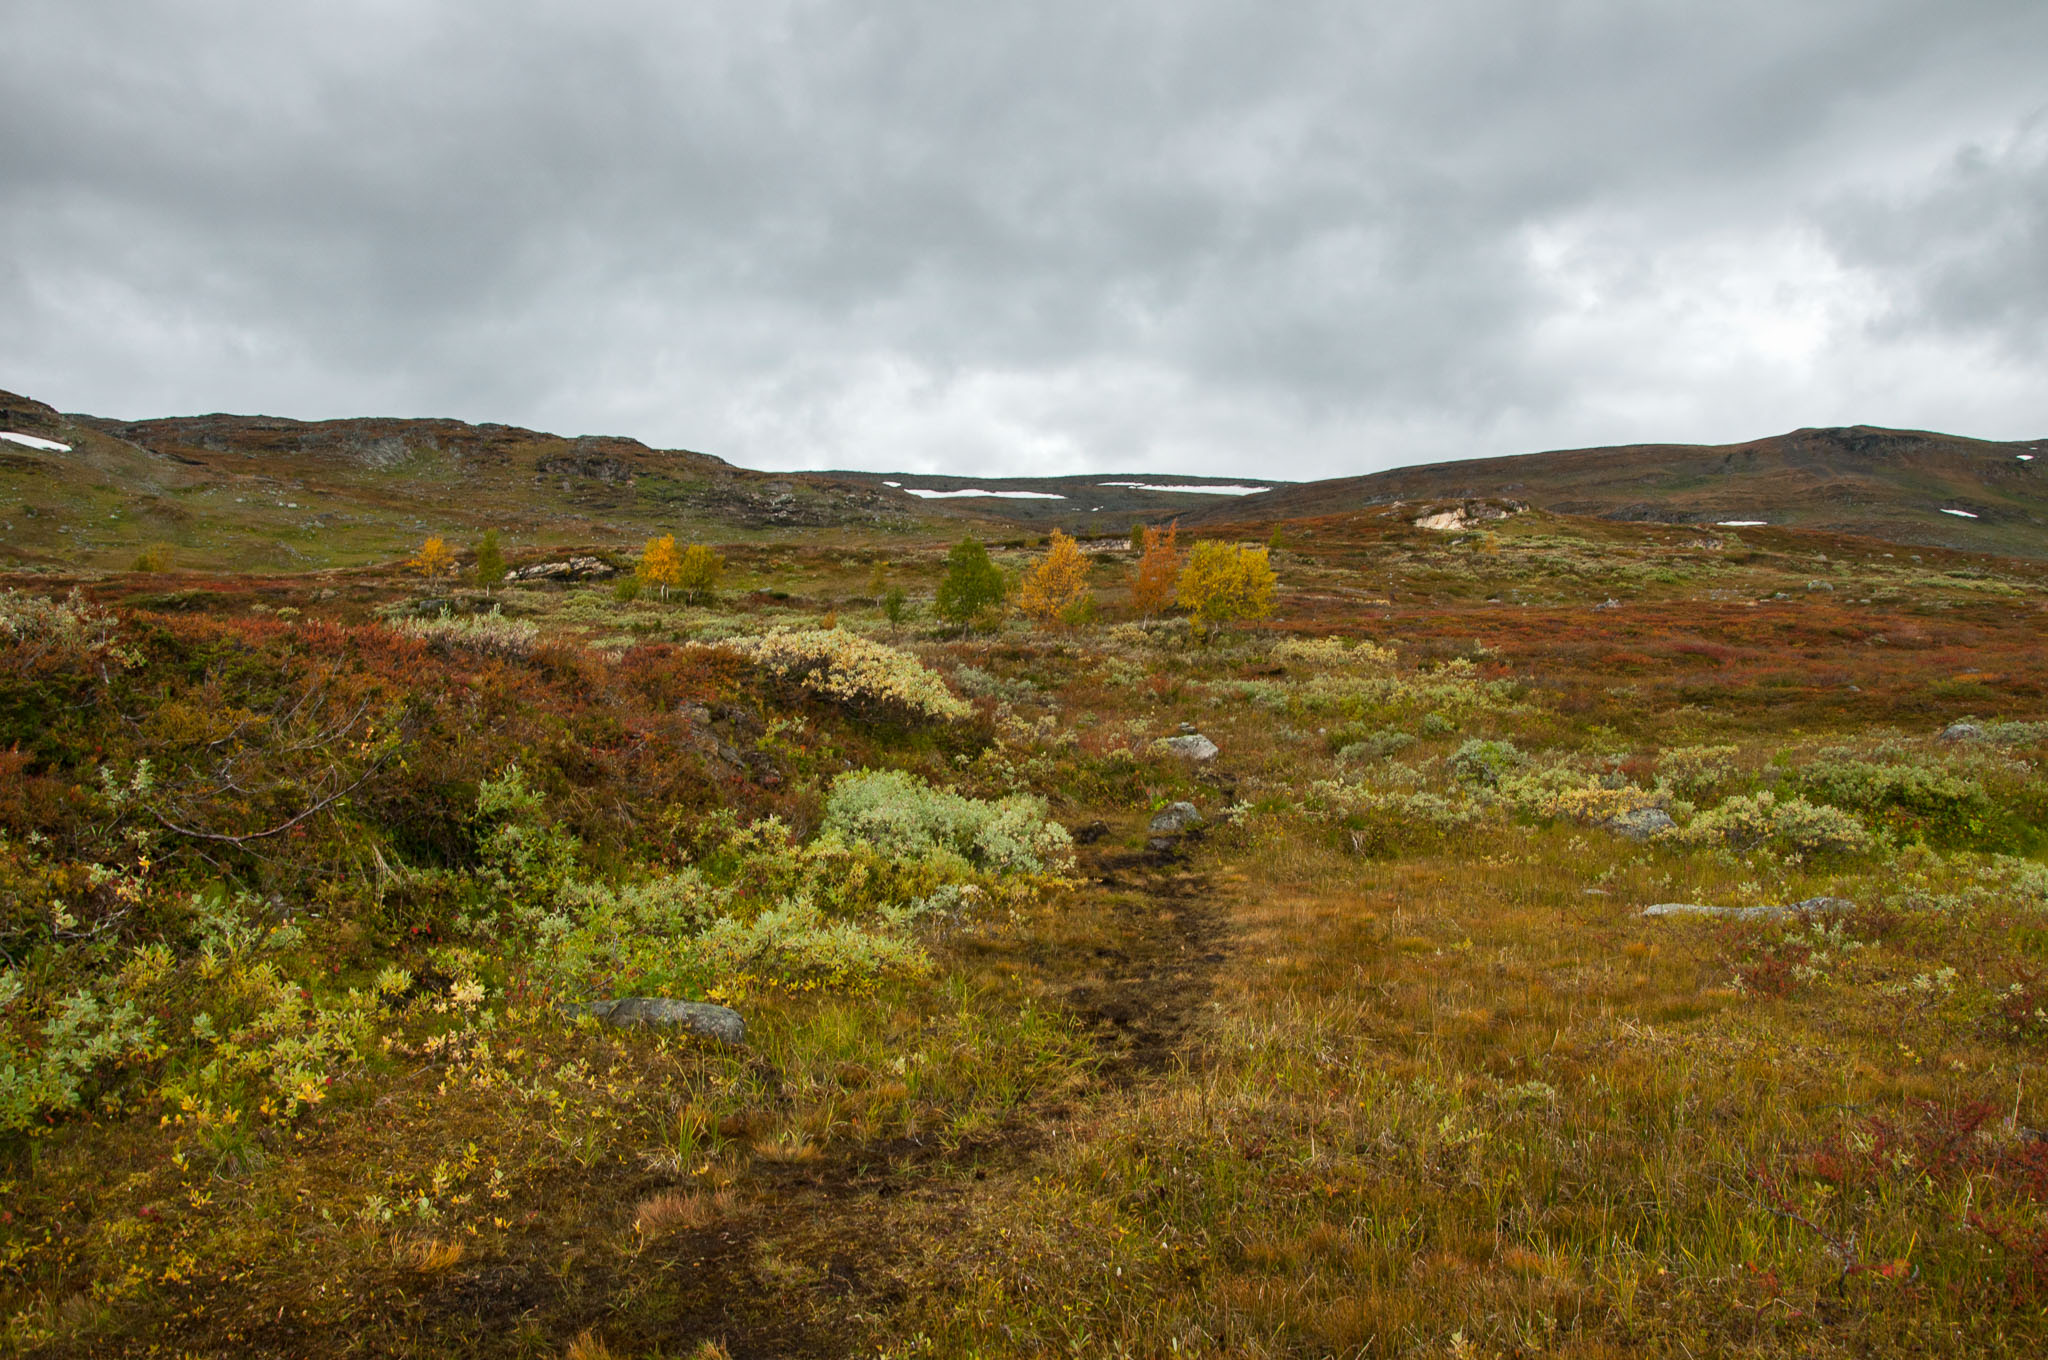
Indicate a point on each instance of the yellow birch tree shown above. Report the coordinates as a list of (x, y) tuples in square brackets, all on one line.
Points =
[(1056, 586), (660, 564), (1223, 582), (434, 560)]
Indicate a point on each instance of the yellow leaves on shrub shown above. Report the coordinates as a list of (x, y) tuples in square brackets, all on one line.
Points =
[(1056, 586), (434, 560), (661, 564), (854, 669), (1223, 582)]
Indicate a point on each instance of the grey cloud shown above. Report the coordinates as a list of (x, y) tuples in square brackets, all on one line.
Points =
[(1196, 235)]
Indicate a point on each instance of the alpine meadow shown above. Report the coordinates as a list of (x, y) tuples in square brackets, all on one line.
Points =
[(1432, 928)]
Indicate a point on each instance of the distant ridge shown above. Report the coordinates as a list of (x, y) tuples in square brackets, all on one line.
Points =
[(1908, 486)]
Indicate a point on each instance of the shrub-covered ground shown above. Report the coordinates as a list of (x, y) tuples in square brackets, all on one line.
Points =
[(298, 875)]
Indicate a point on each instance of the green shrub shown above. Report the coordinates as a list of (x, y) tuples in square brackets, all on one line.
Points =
[(901, 815), (1791, 824), (1377, 746), (1693, 771), (1913, 801), (1485, 763)]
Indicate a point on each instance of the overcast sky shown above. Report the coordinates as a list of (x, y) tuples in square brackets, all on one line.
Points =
[(1279, 239)]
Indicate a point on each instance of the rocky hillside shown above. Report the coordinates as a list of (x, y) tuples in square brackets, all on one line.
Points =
[(226, 490)]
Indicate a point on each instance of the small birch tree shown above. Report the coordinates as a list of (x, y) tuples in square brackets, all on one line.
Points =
[(1056, 586), (660, 564)]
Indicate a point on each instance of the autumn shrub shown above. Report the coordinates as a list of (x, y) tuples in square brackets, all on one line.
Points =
[(868, 675), (1223, 583), (1055, 588), (490, 633)]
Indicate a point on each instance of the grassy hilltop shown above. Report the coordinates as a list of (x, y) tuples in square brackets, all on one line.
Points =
[(299, 871)]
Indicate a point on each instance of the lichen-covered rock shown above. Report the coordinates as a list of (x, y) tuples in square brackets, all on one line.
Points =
[(1194, 747), (1176, 817), (1962, 731), (700, 1018)]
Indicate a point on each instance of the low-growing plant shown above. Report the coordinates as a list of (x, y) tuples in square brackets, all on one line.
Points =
[(901, 815), (853, 669), (1790, 824)]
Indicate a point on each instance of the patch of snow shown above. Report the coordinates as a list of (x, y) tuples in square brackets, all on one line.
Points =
[(977, 491), (1220, 489), (1741, 523), (892, 484), (34, 441), (2024, 457), (1966, 514)]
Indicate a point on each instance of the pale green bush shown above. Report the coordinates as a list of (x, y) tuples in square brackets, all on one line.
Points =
[(901, 815), (853, 669), (84, 1034), (1333, 652), (1789, 824), (33, 627), (1485, 763), (1696, 770), (492, 634)]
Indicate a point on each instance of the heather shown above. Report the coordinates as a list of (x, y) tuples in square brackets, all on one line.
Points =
[(303, 879)]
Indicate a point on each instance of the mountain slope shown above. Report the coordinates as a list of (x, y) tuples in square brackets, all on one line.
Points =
[(1903, 485), (225, 490)]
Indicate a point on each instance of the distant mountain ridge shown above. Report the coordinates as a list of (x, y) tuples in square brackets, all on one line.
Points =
[(1908, 486), (280, 493)]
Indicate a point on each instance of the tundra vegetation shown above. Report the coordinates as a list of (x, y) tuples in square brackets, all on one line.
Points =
[(303, 879)]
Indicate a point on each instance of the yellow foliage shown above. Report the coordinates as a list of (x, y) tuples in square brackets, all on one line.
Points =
[(698, 570), (1152, 579), (435, 559), (660, 563), (1056, 584), (1223, 581)]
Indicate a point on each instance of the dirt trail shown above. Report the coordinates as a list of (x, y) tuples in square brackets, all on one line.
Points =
[(814, 1244)]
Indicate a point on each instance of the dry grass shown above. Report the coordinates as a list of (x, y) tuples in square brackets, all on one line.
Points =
[(680, 1211), (1444, 1099)]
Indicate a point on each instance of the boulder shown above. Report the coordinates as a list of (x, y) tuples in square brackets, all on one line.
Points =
[(1962, 731), (1194, 747), (1177, 817), (1640, 824), (1811, 906), (700, 1018), (574, 569)]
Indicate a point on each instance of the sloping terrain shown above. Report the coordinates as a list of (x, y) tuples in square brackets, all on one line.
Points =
[(257, 491), (1099, 503), (1906, 486)]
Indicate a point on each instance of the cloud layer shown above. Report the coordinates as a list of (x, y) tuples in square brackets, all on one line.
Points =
[(1223, 238)]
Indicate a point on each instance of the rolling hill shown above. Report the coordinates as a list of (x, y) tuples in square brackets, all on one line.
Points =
[(1905, 486), (275, 494), (278, 494)]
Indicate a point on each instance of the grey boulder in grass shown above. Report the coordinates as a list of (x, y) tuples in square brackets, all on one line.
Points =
[(1176, 818), (700, 1018)]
